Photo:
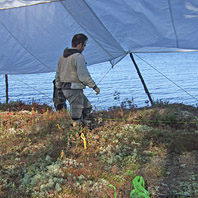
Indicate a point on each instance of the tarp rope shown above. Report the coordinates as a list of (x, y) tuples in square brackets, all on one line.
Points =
[(31, 87), (50, 97), (108, 72), (166, 77), (102, 79)]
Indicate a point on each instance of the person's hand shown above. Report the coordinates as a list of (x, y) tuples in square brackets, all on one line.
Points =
[(97, 90)]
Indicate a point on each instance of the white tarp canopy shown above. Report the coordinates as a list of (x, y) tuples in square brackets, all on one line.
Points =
[(33, 34)]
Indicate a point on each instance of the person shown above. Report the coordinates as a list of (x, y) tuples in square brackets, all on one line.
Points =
[(72, 76), (59, 100)]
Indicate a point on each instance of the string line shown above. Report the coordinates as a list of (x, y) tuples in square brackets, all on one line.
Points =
[(102, 79), (166, 77), (30, 86)]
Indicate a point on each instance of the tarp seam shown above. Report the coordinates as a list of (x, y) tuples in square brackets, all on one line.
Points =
[(88, 33), (121, 57), (105, 28), (30, 4), (174, 28), (24, 47)]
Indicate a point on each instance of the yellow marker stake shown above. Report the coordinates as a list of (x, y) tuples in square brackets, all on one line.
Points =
[(62, 154), (84, 140), (59, 127), (30, 171)]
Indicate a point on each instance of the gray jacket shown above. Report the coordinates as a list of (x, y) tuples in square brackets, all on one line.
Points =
[(72, 69)]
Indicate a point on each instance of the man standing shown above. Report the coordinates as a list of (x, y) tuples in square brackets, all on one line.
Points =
[(72, 76)]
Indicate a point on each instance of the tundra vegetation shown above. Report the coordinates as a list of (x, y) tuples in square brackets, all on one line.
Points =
[(41, 155)]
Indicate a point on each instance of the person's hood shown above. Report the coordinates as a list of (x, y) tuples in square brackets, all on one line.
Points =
[(69, 51)]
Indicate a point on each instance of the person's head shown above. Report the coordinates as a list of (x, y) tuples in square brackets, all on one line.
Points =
[(79, 41)]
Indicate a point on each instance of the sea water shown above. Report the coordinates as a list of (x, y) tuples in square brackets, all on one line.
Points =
[(169, 77)]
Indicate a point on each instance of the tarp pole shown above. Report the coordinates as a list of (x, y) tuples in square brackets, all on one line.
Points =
[(6, 82), (142, 80)]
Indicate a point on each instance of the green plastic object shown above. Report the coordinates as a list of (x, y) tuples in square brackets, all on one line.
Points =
[(139, 190), (115, 193)]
